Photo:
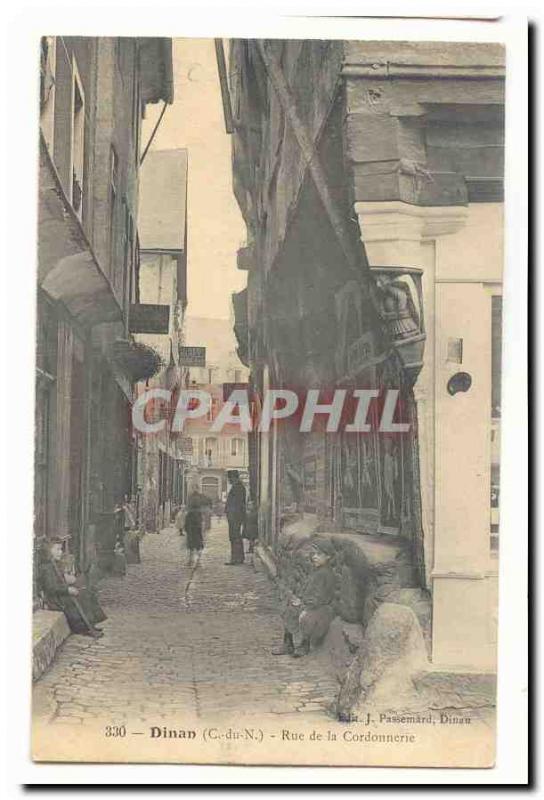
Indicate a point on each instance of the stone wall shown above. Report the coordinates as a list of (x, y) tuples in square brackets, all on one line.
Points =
[(49, 630), (382, 623), (370, 570)]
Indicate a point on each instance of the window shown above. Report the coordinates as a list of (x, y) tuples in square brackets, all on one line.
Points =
[(236, 447), (496, 372), (496, 348), (114, 178), (455, 351), (212, 410), (78, 142), (136, 106), (48, 52), (128, 266), (210, 451)]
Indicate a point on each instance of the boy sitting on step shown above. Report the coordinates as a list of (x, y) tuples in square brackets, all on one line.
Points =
[(306, 618)]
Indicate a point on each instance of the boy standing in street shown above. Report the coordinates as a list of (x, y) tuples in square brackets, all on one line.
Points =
[(251, 529), (193, 525)]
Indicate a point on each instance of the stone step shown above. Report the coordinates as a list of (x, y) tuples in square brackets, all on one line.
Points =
[(457, 688), (49, 631)]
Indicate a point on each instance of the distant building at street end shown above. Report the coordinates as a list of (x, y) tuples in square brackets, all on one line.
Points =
[(162, 222), (214, 453)]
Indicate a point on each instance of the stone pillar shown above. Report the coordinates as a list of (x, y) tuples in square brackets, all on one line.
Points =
[(404, 235), (453, 431)]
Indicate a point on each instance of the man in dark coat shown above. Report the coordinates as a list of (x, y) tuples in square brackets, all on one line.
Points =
[(80, 605), (235, 509)]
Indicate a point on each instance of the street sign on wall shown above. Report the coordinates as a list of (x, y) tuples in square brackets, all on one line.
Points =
[(192, 356)]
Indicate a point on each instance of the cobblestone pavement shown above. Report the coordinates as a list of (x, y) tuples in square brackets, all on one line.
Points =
[(174, 645)]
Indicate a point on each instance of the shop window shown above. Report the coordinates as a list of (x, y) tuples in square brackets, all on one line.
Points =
[(455, 351), (212, 410)]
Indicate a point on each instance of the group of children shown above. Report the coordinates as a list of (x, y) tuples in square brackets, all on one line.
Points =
[(194, 522)]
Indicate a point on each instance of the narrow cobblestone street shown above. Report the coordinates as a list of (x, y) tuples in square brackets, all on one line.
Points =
[(180, 644)]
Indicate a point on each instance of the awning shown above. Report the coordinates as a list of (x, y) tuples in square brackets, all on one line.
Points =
[(156, 69), (68, 270)]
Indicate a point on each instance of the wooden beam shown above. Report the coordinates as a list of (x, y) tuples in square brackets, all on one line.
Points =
[(310, 155)]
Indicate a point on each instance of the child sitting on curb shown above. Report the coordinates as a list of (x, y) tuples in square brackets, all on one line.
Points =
[(307, 618)]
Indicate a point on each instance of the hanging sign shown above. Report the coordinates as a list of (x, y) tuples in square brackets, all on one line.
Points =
[(192, 356)]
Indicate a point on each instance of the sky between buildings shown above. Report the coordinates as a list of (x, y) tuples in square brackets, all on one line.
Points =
[(215, 226)]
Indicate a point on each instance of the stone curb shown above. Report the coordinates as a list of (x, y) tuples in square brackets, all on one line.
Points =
[(462, 689), (268, 561)]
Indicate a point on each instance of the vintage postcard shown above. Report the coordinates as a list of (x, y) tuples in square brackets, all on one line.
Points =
[(268, 401)]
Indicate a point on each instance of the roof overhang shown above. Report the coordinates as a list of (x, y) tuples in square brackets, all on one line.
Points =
[(156, 69)]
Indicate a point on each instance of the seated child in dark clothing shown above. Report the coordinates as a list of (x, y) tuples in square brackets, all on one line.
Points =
[(193, 525), (79, 603), (307, 618)]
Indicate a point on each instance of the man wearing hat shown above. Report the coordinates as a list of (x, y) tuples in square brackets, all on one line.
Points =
[(235, 509), (307, 618)]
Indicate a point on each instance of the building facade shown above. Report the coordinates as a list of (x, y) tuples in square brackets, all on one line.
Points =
[(93, 94), (212, 453), (162, 222), (370, 178)]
